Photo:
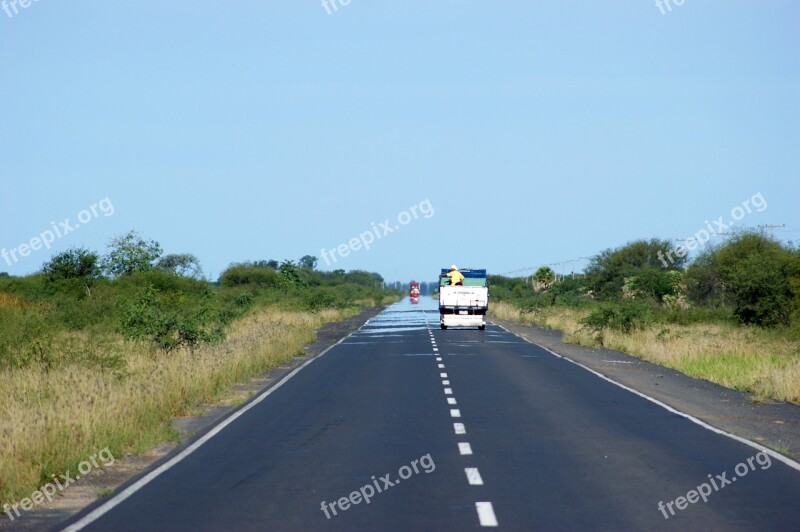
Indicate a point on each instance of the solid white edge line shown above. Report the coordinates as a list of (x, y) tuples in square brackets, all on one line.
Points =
[(473, 476), (464, 448), (118, 499), (774, 454), (486, 514)]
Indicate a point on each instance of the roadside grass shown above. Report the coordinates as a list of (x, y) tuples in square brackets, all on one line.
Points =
[(52, 419), (751, 360)]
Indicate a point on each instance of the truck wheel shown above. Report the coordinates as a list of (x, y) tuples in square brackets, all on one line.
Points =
[(443, 326), (481, 327)]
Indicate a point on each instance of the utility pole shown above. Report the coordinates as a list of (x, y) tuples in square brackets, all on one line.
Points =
[(771, 228)]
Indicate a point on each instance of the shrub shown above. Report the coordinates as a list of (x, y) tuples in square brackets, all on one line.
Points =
[(624, 317), (75, 263)]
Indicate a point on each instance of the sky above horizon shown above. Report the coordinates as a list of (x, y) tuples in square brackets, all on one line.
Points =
[(492, 135)]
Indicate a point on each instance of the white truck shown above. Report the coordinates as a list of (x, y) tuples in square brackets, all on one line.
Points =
[(464, 304)]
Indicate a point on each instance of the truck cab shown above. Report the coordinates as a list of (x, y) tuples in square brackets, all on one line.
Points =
[(464, 304)]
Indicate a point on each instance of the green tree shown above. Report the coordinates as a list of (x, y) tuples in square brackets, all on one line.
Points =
[(607, 270), (308, 262), (75, 263), (183, 264), (544, 277), (761, 291), (131, 253)]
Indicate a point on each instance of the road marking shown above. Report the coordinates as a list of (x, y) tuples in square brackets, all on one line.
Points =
[(435, 349), (438, 359), (445, 383), (473, 476), (448, 391), (451, 401), (464, 448), (459, 428), (455, 412), (119, 498), (443, 375), (781, 458), (486, 514), (441, 366)]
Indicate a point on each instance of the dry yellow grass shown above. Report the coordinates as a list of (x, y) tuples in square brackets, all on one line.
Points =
[(50, 421), (736, 357), (12, 302)]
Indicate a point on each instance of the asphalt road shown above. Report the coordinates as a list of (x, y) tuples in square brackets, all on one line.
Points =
[(473, 428)]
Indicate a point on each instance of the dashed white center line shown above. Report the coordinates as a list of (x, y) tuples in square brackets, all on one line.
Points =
[(446, 383), (455, 412), (435, 349), (441, 366), (486, 514), (451, 401), (464, 448), (459, 428), (473, 476), (438, 359), (443, 375), (448, 391)]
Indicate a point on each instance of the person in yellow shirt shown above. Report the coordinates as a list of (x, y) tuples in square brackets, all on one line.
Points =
[(455, 276)]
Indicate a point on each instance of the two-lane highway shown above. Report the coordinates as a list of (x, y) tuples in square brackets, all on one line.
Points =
[(404, 426)]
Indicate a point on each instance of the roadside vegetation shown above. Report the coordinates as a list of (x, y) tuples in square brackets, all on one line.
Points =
[(731, 315), (105, 350)]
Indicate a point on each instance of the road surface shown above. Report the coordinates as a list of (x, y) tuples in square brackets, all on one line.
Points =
[(453, 430)]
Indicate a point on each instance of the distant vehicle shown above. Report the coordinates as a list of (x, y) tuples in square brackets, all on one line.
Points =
[(413, 291), (464, 305)]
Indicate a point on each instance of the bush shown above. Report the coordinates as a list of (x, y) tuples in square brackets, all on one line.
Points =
[(624, 317), (762, 292), (163, 320), (246, 274), (75, 263)]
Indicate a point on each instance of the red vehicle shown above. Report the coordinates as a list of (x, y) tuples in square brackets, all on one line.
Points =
[(414, 292)]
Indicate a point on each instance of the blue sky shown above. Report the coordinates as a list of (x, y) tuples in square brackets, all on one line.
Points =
[(537, 131)]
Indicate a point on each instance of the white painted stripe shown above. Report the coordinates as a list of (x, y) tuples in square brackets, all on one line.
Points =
[(781, 458), (459, 428), (119, 498), (451, 401), (445, 383), (441, 366), (438, 359), (486, 514), (448, 391), (455, 412), (464, 448), (435, 349), (473, 476), (443, 375)]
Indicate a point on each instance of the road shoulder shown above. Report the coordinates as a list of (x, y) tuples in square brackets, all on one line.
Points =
[(772, 424)]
